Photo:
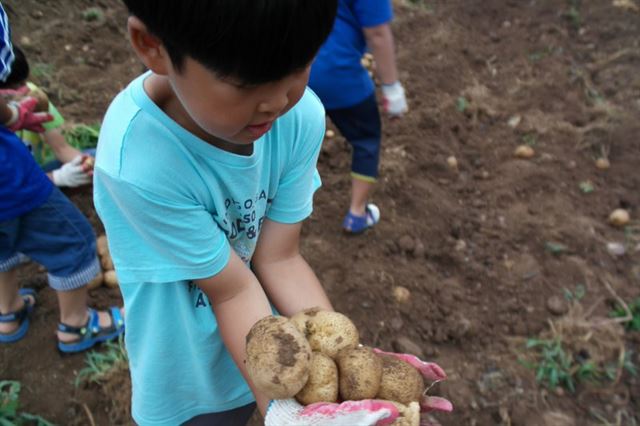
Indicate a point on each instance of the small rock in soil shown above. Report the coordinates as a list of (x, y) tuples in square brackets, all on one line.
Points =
[(557, 306), (419, 250), (396, 323), (407, 346), (406, 243)]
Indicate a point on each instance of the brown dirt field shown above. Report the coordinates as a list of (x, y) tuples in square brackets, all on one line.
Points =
[(470, 244)]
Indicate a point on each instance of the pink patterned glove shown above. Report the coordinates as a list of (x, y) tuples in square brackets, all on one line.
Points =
[(369, 412), (23, 116), (431, 372)]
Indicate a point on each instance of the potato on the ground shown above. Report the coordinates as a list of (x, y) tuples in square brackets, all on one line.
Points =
[(102, 246), (327, 332), (96, 281), (360, 371), (400, 381), (409, 414), (322, 385), (110, 279), (278, 357)]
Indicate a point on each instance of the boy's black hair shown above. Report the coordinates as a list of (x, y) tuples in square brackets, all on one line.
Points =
[(253, 41), (19, 69)]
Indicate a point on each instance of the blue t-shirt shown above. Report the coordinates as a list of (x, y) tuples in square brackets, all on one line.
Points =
[(173, 207), (337, 75)]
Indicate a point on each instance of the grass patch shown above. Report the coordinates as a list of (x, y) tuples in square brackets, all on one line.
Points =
[(10, 414), (634, 308), (99, 365)]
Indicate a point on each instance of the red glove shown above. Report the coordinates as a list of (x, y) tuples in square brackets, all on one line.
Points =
[(23, 116), (431, 372)]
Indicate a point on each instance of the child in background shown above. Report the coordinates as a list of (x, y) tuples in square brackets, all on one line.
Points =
[(37, 221), (205, 170), (71, 168), (348, 94)]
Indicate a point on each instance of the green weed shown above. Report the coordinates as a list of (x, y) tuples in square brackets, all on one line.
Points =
[(554, 366), (575, 295), (10, 404), (93, 14), (462, 104), (41, 70), (100, 364), (634, 307)]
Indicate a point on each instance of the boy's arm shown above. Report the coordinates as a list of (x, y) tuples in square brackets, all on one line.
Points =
[(284, 274), (380, 42), (238, 303)]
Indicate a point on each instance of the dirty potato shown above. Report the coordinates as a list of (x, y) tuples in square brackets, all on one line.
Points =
[(102, 246), (42, 98), (327, 332), (278, 357), (400, 381), (322, 385), (107, 262), (409, 414), (110, 279), (360, 371)]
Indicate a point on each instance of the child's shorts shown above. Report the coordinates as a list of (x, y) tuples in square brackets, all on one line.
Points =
[(360, 125), (55, 235)]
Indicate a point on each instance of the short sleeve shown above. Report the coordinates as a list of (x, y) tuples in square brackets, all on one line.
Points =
[(169, 240), (293, 201), (6, 49), (371, 13)]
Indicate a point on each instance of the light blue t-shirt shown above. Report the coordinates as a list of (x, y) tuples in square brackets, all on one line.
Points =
[(173, 206)]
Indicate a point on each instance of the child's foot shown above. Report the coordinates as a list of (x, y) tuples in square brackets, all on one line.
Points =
[(354, 224), (14, 325), (99, 327)]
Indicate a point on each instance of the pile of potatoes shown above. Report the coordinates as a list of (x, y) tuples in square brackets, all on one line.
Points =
[(316, 356), (108, 275)]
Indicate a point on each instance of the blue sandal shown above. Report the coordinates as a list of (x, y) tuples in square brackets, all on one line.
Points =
[(21, 316), (353, 224), (91, 333)]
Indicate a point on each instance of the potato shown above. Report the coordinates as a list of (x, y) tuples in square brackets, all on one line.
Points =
[(322, 385), (619, 217), (409, 414), (107, 262), (327, 332), (95, 282), (602, 163), (360, 371), (43, 100), (278, 357), (110, 279), (102, 247), (524, 151), (400, 381)]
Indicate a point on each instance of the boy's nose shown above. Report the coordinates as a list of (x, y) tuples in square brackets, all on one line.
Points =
[(274, 104)]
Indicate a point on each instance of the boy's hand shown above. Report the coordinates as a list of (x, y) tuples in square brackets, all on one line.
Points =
[(394, 100), (24, 117), (369, 412), (432, 372), (71, 174)]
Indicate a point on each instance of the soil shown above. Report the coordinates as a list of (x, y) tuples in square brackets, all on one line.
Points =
[(490, 250)]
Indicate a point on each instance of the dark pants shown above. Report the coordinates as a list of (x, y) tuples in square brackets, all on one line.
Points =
[(360, 125), (236, 417)]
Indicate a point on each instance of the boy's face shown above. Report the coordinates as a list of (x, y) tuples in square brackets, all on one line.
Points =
[(228, 111)]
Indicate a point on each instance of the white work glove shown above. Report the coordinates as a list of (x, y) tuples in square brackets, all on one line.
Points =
[(394, 101), (368, 412), (71, 174)]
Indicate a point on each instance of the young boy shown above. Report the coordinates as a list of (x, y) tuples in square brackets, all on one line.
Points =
[(39, 222), (348, 94), (206, 166), (70, 168)]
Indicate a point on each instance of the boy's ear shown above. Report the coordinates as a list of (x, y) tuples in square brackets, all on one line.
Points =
[(148, 47)]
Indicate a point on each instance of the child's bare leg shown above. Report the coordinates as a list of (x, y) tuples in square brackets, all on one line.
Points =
[(10, 300), (360, 190), (74, 312)]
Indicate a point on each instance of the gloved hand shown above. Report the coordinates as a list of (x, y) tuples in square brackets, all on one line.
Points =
[(369, 412), (23, 116), (394, 101), (431, 372), (71, 174)]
